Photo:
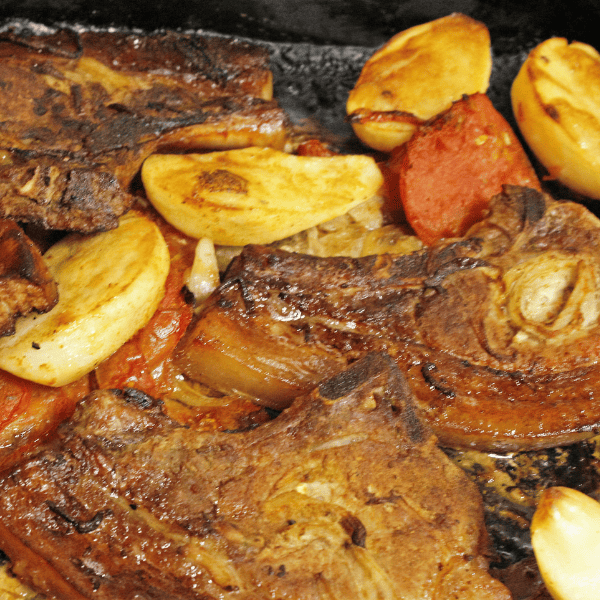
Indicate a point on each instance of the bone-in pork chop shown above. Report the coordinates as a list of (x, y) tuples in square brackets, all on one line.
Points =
[(344, 495), (498, 333), (80, 111)]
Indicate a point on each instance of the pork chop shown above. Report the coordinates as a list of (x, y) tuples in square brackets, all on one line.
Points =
[(344, 495), (81, 110), (26, 284), (498, 332)]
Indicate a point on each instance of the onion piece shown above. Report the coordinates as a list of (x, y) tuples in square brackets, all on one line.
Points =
[(204, 274)]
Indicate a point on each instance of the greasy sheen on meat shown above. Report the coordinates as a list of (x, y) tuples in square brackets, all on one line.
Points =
[(26, 283), (498, 333), (343, 495), (81, 110)]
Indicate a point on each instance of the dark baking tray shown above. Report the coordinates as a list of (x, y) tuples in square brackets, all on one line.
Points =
[(317, 50), (357, 22)]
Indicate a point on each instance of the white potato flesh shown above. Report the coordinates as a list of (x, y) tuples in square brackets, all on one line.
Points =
[(556, 103), (417, 75), (256, 195), (565, 534), (109, 285)]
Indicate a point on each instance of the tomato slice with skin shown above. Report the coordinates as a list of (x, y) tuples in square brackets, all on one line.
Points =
[(30, 412), (144, 362), (448, 172)]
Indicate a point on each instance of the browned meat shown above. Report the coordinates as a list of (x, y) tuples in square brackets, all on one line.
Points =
[(79, 112), (344, 495), (26, 284), (498, 332)]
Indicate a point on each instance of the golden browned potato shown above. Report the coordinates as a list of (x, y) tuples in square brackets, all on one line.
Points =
[(556, 102), (110, 284), (565, 534), (417, 75), (256, 195)]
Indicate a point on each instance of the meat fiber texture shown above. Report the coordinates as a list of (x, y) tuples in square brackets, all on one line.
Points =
[(498, 332), (81, 110), (343, 495), (26, 283)]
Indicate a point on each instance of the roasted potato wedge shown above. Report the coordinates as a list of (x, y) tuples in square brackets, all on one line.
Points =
[(416, 75), (556, 103), (109, 284), (565, 534), (256, 195)]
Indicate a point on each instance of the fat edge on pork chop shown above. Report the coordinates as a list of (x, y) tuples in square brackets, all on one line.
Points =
[(498, 332)]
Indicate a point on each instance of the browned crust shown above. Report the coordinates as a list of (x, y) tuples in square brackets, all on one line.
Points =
[(125, 478), (79, 113), (286, 321), (29, 566), (26, 284)]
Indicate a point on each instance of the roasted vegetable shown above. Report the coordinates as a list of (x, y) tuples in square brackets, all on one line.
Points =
[(565, 534), (110, 285), (556, 102), (416, 76), (256, 195), (449, 171)]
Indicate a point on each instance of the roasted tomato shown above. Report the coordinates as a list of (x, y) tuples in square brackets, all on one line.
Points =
[(144, 362), (29, 413)]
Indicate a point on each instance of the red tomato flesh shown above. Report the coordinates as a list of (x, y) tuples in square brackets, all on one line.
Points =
[(448, 172)]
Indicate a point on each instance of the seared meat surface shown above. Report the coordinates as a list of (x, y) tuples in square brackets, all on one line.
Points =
[(343, 495), (26, 284), (498, 332), (80, 111)]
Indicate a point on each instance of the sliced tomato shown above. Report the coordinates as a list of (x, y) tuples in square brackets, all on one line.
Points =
[(144, 361), (448, 172), (30, 412)]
